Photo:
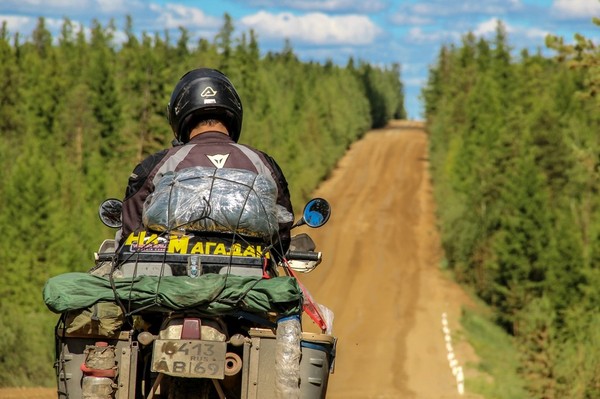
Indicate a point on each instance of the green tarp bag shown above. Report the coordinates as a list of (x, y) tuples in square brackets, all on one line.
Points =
[(210, 294)]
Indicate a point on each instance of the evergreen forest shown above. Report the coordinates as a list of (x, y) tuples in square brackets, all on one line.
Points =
[(79, 111), (515, 154)]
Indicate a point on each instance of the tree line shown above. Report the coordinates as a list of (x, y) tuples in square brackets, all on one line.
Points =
[(79, 110), (515, 144)]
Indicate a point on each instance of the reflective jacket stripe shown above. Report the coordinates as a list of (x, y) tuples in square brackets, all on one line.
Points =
[(172, 162), (260, 166)]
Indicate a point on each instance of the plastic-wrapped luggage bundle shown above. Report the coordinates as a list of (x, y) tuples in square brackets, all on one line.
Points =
[(215, 200)]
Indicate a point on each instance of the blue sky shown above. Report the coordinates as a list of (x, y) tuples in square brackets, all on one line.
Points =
[(381, 32)]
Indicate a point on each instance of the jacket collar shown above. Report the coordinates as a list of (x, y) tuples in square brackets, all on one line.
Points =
[(211, 137)]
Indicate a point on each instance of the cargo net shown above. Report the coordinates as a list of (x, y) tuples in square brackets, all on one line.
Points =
[(209, 200)]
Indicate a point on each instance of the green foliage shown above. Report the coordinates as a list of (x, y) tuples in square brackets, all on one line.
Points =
[(79, 112), (384, 92), (514, 148), (497, 374), (577, 365), (539, 353), (26, 347)]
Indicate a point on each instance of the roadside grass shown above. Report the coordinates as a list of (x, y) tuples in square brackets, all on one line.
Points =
[(30, 340), (497, 369)]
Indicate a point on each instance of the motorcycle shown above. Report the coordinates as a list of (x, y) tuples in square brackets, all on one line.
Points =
[(192, 315)]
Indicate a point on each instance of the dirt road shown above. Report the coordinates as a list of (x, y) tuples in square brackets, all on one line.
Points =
[(380, 276)]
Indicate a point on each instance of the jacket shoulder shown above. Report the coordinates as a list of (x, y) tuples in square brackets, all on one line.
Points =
[(142, 171)]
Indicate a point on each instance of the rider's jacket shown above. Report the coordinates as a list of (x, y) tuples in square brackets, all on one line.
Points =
[(210, 149)]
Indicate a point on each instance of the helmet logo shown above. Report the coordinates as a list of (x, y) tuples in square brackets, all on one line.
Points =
[(218, 160), (208, 92)]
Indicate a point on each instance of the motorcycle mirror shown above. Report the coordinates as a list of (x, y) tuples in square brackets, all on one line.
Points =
[(110, 212), (316, 213)]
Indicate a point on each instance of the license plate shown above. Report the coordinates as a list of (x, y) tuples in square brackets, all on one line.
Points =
[(189, 358)]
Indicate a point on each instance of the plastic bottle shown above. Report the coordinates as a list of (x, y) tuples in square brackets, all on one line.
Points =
[(287, 357)]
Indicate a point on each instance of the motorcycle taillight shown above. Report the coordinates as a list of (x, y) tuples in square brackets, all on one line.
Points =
[(191, 328)]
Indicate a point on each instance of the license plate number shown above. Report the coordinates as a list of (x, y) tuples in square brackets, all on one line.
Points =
[(189, 358)]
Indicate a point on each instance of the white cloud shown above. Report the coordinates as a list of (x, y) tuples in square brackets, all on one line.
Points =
[(112, 6), (414, 81), (488, 28), (175, 15), (427, 10), (25, 25), (419, 36), (17, 23), (314, 28), (467, 7), (576, 8), (323, 5)]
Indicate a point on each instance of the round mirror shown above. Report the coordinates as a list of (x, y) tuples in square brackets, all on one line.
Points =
[(316, 212), (110, 212)]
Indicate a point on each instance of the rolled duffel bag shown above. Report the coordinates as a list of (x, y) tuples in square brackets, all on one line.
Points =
[(210, 294)]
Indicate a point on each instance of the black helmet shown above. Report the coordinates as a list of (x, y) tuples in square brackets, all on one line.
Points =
[(204, 93)]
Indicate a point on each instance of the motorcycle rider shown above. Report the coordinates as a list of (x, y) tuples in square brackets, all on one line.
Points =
[(205, 113)]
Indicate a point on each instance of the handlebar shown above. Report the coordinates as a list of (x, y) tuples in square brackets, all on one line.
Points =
[(303, 255)]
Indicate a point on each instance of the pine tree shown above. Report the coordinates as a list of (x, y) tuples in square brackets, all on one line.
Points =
[(105, 99), (223, 42), (10, 91), (537, 338)]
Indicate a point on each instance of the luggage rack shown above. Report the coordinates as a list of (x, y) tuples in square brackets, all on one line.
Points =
[(183, 259), (172, 256)]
